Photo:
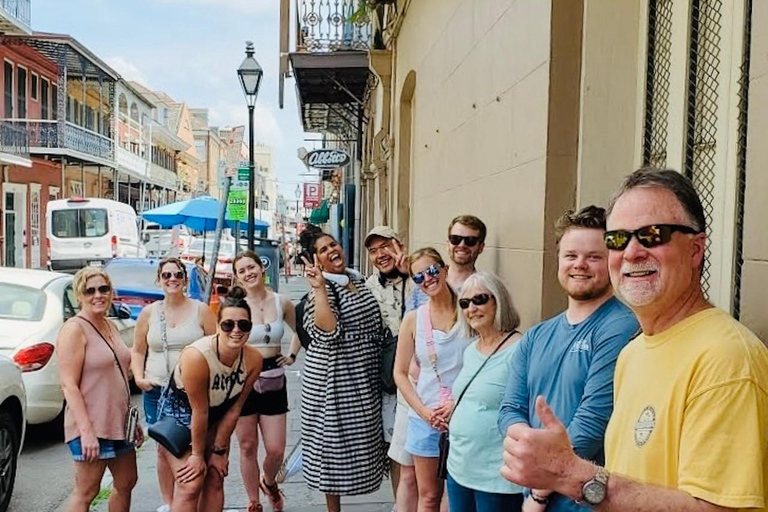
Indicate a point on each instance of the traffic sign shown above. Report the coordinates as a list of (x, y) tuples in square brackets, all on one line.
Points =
[(237, 205), (243, 174)]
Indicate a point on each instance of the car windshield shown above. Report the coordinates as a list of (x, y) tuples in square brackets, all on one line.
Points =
[(138, 277), (21, 302), (80, 223)]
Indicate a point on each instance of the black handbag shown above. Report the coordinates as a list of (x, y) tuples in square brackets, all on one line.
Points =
[(388, 351), (170, 435), (444, 444)]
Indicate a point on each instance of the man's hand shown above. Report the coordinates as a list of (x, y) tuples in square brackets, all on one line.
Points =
[(538, 458), (401, 259)]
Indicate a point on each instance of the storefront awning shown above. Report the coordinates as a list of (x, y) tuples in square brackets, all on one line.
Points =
[(321, 214)]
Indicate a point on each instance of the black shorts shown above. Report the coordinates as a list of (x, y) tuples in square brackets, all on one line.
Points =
[(271, 403)]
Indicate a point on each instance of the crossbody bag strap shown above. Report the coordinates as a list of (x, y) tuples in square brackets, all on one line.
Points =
[(482, 366), (164, 336), (237, 372), (429, 339), (119, 366)]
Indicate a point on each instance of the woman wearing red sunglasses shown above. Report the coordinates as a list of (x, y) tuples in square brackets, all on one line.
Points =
[(163, 329), (205, 394), (430, 333)]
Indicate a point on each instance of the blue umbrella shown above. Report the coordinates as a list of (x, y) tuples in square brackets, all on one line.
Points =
[(200, 214)]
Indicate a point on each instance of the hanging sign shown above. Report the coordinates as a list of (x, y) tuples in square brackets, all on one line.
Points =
[(312, 195), (237, 205), (327, 158)]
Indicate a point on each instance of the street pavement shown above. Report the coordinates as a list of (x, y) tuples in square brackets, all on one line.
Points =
[(299, 498)]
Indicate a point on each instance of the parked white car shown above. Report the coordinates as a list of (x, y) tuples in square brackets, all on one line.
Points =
[(12, 427), (160, 242), (34, 304)]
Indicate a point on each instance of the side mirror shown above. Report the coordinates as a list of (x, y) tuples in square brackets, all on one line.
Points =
[(123, 312), (221, 289)]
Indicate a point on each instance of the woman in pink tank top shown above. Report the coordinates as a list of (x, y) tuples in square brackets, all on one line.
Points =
[(93, 367)]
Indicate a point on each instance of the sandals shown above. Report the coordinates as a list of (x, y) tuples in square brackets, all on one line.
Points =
[(255, 506), (274, 495)]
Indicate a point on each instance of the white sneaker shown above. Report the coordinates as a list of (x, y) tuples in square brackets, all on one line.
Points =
[(164, 508)]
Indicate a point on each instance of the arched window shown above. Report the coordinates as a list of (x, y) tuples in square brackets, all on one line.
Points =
[(123, 105), (134, 112)]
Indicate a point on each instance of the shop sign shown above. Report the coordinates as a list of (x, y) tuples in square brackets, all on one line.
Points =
[(327, 158)]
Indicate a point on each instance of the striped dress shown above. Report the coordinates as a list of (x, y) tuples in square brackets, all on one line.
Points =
[(341, 429)]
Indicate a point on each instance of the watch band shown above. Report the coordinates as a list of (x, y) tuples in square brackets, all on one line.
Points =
[(292, 356), (219, 451), (541, 500)]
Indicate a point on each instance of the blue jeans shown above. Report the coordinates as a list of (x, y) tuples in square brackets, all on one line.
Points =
[(469, 500), (151, 401)]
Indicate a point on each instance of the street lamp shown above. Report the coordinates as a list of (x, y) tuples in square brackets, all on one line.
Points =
[(250, 74)]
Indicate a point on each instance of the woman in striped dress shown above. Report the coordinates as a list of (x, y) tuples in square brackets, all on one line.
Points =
[(341, 429)]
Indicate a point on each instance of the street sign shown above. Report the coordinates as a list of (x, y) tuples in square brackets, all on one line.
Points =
[(234, 144), (312, 195), (243, 174), (237, 205)]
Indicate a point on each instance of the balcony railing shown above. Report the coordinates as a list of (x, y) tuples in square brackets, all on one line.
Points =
[(52, 135), (132, 162), (13, 139), (331, 25), (19, 9)]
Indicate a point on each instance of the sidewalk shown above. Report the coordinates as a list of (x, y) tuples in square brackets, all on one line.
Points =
[(299, 498)]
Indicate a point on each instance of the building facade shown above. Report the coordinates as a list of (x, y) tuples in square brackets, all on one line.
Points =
[(518, 110)]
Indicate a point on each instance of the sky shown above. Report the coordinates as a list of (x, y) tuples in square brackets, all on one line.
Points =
[(191, 50)]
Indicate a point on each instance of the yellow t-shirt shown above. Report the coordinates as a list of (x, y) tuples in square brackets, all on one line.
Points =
[(691, 411)]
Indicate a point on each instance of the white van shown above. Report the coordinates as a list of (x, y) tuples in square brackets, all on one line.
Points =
[(89, 231)]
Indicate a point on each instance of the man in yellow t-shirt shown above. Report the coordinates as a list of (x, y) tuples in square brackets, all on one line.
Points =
[(689, 430)]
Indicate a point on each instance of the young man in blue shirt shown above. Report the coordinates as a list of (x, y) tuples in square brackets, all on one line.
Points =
[(570, 359)]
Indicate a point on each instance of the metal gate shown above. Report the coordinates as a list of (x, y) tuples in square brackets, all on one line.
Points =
[(659, 58)]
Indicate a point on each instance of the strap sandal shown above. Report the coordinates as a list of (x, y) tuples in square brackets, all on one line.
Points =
[(273, 493), (255, 506)]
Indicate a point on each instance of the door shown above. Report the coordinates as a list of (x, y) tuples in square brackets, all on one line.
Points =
[(14, 222), (34, 224)]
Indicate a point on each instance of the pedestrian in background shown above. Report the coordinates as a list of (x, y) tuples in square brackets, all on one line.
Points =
[(205, 394), (266, 407), (93, 367), (163, 329), (342, 438), (390, 285), (432, 334), (476, 446)]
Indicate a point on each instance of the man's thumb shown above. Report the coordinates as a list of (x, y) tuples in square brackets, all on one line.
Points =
[(547, 417)]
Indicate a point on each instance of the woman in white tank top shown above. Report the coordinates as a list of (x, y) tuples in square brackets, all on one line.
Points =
[(152, 358), (431, 335), (267, 405)]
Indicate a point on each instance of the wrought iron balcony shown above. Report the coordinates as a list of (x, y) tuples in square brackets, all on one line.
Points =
[(16, 17), (132, 162), (13, 140), (52, 137), (332, 25)]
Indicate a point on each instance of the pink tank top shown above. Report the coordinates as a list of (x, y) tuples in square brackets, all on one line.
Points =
[(102, 385)]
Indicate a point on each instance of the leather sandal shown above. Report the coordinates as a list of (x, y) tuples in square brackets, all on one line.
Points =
[(274, 495), (255, 506)]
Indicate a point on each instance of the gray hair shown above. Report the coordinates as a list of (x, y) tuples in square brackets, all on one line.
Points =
[(667, 179), (507, 318)]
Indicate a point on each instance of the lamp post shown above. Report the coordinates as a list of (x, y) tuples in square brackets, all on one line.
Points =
[(250, 74)]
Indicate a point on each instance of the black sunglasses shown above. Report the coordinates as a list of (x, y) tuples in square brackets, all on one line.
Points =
[(469, 241), (229, 325), (432, 271), (168, 275), (103, 289), (648, 236), (478, 300)]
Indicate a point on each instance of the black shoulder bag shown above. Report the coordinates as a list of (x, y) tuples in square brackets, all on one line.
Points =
[(388, 351), (444, 443)]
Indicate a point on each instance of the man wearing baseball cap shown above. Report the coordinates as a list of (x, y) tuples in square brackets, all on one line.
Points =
[(390, 285)]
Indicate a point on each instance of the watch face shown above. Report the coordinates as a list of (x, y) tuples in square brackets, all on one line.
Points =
[(594, 492)]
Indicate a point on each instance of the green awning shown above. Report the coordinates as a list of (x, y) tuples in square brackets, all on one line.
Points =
[(321, 214)]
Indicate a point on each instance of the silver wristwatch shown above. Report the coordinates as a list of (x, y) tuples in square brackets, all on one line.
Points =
[(594, 491)]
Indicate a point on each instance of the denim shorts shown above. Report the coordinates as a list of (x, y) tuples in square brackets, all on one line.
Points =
[(151, 402), (108, 449), (421, 439)]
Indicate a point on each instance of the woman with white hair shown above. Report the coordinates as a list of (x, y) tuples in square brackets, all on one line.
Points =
[(474, 481)]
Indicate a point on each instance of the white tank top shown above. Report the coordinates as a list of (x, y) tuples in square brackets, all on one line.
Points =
[(269, 335), (220, 376), (449, 348), (178, 338)]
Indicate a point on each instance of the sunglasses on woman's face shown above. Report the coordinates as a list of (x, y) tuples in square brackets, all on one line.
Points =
[(168, 275), (648, 236), (91, 291), (229, 325), (478, 300), (431, 271)]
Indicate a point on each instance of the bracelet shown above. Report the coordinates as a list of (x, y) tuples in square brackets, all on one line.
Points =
[(541, 500), (293, 357), (219, 451)]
